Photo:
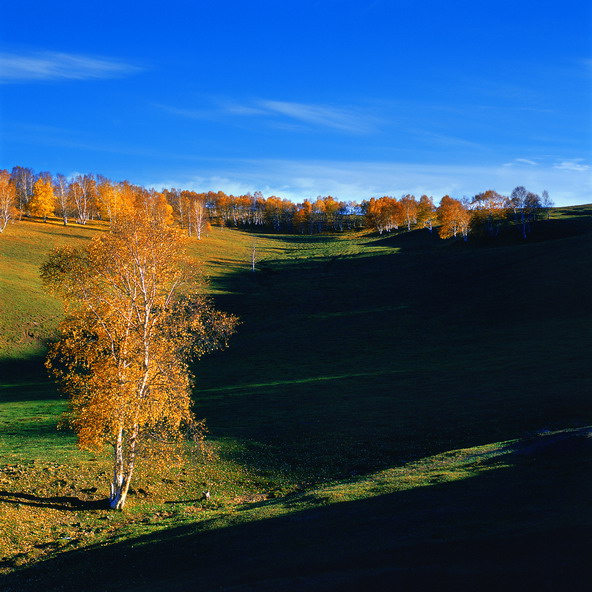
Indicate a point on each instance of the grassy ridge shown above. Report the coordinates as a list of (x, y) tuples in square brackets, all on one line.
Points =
[(361, 363)]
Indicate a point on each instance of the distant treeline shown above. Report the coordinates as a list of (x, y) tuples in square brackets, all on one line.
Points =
[(84, 198)]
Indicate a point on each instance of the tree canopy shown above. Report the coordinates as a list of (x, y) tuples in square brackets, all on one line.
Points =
[(135, 317)]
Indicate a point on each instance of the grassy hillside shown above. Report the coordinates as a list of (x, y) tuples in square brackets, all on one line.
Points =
[(28, 314), (396, 374)]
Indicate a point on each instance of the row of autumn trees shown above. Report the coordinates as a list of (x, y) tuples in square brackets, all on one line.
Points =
[(88, 197), (85, 198), (486, 212)]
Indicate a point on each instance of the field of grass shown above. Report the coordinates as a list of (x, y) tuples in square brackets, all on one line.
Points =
[(396, 408)]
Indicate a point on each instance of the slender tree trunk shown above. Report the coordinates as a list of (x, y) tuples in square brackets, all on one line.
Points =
[(117, 482), (122, 474)]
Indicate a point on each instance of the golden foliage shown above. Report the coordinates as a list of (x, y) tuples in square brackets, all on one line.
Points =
[(384, 214), (454, 218), (135, 317), (43, 201), (426, 212)]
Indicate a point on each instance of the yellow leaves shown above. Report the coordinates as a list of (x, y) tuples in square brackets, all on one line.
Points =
[(454, 218), (426, 212), (384, 214), (43, 200), (109, 200), (62, 272), (135, 320)]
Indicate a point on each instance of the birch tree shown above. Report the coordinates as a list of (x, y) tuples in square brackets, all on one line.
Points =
[(518, 201), (62, 195), (426, 213), (23, 180), (197, 215), (134, 320), (83, 190), (489, 210), (454, 218), (409, 210), (43, 201), (546, 203), (8, 209)]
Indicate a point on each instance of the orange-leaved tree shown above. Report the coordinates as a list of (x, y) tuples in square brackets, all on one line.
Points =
[(43, 201), (454, 218), (135, 317), (409, 210), (426, 212)]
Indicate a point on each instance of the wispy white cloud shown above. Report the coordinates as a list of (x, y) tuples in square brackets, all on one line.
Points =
[(572, 165), (59, 66), (347, 120), (520, 161), (288, 115)]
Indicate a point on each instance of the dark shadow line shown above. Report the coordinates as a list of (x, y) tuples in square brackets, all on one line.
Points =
[(68, 503)]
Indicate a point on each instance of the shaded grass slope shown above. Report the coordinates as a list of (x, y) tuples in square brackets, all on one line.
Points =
[(409, 347)]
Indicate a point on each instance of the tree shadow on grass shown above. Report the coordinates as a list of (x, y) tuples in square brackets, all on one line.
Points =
[(31, 367), (519, 526), (67, 503)]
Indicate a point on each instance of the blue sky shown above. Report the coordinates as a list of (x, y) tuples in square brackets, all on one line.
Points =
[(300, 98)]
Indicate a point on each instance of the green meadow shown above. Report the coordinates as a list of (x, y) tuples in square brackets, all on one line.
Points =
[(393, 410)]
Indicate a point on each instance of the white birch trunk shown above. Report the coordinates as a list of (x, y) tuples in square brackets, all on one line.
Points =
[(123, 471)]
